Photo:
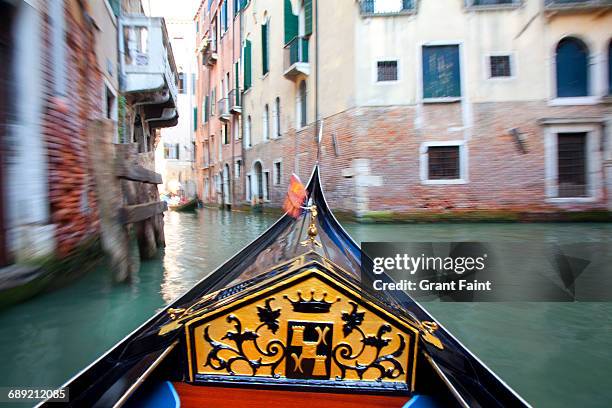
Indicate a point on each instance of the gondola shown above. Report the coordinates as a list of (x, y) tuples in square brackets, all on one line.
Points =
[(187, 206), (284, 323)]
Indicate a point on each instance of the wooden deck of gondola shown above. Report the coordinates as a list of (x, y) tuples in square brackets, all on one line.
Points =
[(222, 397)]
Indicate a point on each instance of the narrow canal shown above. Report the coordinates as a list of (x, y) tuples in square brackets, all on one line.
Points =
[(553, 354)]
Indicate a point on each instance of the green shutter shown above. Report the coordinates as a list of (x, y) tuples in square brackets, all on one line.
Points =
[(247, 64), (264, 48), (243, 3), (308, 17), (195, 119), (291, 23)]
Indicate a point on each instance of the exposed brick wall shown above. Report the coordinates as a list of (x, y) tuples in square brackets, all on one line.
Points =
[(501, 177), (71, 185)]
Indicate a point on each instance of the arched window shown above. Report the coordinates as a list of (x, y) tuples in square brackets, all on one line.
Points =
[(266, 123), (302, 114), (247, 132), (277, 113), (572, 68)]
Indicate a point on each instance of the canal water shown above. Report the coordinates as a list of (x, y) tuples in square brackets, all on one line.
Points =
[(553, 354)]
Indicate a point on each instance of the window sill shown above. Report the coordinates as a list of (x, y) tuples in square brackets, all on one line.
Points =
[(577, 100), (389, 82), (494, 7), (410, 12), (501, 78), (450, 99), (264, 76), (571, 200), (443, 182)]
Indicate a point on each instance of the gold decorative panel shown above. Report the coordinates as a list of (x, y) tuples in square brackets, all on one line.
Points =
[(307, 328)]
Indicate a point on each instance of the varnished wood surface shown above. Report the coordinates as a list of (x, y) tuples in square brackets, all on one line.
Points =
[(222, 397)]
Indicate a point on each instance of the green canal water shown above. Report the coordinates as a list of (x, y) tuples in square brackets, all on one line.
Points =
[(553, 354)]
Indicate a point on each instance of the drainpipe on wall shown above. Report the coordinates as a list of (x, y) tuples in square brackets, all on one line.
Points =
[(232, 168), (243, 113), (317, 119)]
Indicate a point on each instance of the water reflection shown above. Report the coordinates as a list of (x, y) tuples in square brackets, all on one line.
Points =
[(196, 244), (553, 354)]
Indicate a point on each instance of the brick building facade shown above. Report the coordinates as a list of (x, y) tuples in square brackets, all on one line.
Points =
[(54, 88), (66, 119), (486, 111), (218, 113)]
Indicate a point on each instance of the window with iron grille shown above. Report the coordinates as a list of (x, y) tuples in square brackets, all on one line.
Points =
[(387, 71), (443, 162), (571, 162), (500, 66)]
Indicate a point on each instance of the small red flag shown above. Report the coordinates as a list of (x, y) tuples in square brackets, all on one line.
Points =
[(296, 195)]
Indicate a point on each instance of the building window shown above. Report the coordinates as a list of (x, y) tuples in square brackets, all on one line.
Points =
[(443, 162), (301, 102), (238, 169), (249, 194), (572, 68), (500, 66), (225, 133), (247, 132), (266, 185), (610, 68), (491, 2), (213, 99), (441, 72), (247, 64), (182, 85), (136, 43), (236, 128), (386, 71), (110, 103), (171, 151), (223, 18), (277, 173), (205, 109), (571, 164), (265, 46), (277, 115), (386, 6), (266, 123)]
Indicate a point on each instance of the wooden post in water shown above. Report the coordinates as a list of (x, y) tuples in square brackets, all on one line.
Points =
[(128, 200)]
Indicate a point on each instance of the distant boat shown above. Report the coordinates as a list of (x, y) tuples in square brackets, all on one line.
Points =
[(284, 322), (190, 205)]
